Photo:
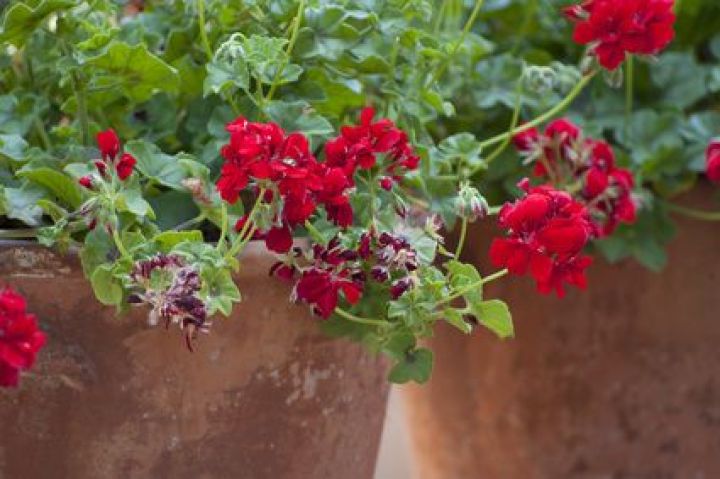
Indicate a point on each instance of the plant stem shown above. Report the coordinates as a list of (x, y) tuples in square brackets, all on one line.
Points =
[(468, 25), (24, 233), (693, 213), (545, 116), (513, 123), (629, 88), (223, 226), (42, 134), (240, 240), (312, 231), (198, 219), (477, 284), (291, 46), (119, 244), (463, 235), (201, 26), (82, 108), (356, 319)]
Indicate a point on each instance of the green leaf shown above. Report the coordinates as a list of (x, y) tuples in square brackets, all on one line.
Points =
[(495, 315), (96, 250), (168, 239), (398, 345), (299, 116), (415, 366), (462, 276), (107, 288), (455, 318), (265, 56), (219, 290), (156, 165), (13, 147), (59, 184), (137, 72), (22, 19), (223, 75), (132, 200), (22, 204)]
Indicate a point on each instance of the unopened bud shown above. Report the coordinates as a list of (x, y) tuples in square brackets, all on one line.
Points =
[(470, 204)]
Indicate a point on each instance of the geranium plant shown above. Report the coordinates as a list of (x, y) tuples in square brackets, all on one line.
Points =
[(161, 137)]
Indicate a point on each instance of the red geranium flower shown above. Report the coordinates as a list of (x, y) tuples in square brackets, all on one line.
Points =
[(613, 28), (547, 231), (712, 161), (587, 167), (109, 146), (125, 166), (361, 145), (20, 338), (321, 288)]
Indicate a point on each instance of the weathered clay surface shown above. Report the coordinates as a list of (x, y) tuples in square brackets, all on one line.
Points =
[(265, 394), (619, 382)]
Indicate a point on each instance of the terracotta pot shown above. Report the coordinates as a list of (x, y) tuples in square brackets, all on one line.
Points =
[(265, 395), (620, 381)]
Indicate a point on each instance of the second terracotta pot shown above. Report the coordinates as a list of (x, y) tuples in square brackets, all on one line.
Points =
[(621, 381), (265, 395)]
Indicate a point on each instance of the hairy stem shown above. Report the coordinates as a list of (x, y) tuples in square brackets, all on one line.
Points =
[(545, 116), (468, 25), (356, 319), (291, 46)]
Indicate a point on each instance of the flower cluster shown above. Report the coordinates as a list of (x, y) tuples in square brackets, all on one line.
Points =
[(20, 338), (384, 259), (613, 28), (171, 288), (287, 169), (547, 231), (584, 166), (360, 146), (109, 146), (295, 182), (712, 161)]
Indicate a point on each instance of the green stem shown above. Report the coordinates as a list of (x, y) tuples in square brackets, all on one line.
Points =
[(25, 233), (240, 241), (185, 224), (468, 25), (463, 235), (119, 244), (545, 116), (42, 134), (223, 226), (629, 88), (314, 232), (291, 46), (513, 123), (478, 284), (693, 213), (356, 319), (201, 26), (82, 108)]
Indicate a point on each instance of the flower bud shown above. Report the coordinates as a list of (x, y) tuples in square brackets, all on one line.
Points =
[(471, 205)]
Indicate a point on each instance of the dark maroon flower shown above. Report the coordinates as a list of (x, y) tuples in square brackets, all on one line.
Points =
[(279, 239)]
